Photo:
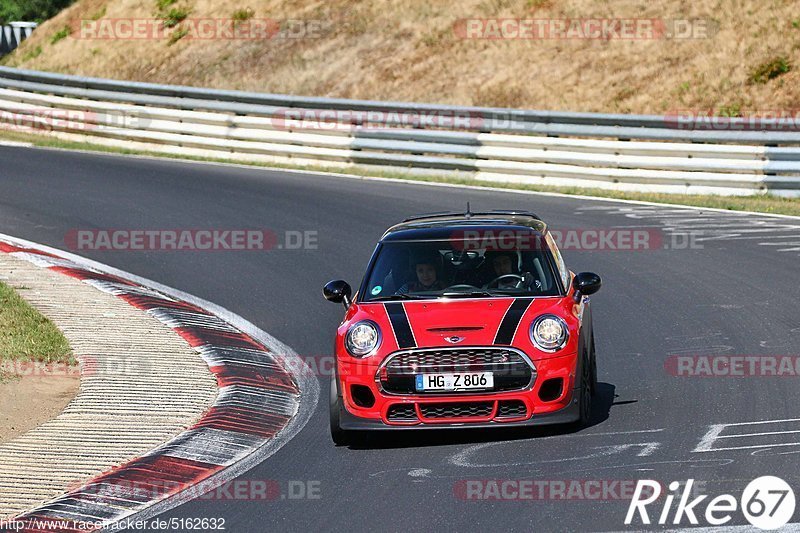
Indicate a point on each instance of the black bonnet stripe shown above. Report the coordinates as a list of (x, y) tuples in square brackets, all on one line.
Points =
[(400, 325), (508, 327)]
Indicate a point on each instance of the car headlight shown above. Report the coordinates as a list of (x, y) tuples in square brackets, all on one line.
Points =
[(549, 333), (362, 338)]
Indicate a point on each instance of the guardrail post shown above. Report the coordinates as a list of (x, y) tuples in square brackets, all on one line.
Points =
[(13, 34)]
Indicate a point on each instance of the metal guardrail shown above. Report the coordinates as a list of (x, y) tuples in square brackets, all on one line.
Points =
[(12, 34), (632, 152)]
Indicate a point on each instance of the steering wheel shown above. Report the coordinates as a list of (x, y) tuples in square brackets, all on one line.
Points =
[(496, 281), (461, 287)]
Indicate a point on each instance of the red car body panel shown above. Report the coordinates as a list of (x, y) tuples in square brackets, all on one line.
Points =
[(477, 321), (476, 334)]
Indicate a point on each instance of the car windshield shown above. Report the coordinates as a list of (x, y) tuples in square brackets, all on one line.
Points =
[(449, 269)]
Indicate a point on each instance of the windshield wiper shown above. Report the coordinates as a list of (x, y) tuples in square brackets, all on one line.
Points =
[(513, 292), (404, 296), (469, 294)]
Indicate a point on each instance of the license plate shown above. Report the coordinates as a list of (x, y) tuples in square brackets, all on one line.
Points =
[(454, 382)]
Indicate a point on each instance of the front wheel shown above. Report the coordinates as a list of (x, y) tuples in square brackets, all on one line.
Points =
[(587, 389), (593, 359), (340, 436)]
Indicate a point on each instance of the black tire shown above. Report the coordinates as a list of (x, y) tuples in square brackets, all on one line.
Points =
[(593, 359), (585, 394), (340, 436)]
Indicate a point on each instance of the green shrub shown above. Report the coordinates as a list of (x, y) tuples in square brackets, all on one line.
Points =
[(770, 69), (177, 35), (537, 4), (30, 10), (241, 15), (99, 14), (60, 34), (730, 110), (175, 16), (162, 5), (32, 54)]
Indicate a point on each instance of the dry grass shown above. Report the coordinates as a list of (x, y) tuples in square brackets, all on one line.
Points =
[(408, 50)]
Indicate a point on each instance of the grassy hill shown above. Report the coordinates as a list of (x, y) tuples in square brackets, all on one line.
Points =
[(745, 59)]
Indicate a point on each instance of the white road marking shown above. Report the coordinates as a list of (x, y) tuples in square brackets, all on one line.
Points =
[(715, 435), (635, 432), (648, 448), (713, 225), (758, 434), (757, 422), (463, 458), (754, 447), (762, 452)]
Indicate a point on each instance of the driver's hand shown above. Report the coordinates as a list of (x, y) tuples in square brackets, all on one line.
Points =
[(528, 280)]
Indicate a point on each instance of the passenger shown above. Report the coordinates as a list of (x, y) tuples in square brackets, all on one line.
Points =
[(426, 267)]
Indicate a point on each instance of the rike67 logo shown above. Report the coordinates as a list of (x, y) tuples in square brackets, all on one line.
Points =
[(767, 503)]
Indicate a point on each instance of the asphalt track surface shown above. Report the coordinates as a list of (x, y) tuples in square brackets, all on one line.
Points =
[(735, 293)]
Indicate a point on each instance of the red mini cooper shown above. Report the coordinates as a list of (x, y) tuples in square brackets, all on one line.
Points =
[(464, 320)]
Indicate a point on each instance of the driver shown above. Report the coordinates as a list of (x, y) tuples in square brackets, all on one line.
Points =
[(504, 264), (426, 266)]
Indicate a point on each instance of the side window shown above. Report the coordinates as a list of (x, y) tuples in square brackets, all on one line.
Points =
[(562, 266)]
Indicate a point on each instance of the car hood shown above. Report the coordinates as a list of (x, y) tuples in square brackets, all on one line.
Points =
[(457, 322), (461, 322)]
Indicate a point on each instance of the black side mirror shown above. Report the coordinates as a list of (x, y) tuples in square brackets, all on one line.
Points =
[(586, 283), (338, 291)]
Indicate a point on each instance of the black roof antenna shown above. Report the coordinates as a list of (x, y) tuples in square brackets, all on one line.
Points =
[(468, 214)]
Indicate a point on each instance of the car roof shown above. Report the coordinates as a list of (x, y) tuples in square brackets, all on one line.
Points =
[(440, 226)]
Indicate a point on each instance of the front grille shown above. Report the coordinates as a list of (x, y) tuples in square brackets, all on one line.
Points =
[(437, 358), (511, 409), (456, 410), (510, 369), (402, 412)]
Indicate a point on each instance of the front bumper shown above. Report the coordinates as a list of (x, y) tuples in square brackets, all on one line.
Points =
[(565, 415), (528, 406)]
